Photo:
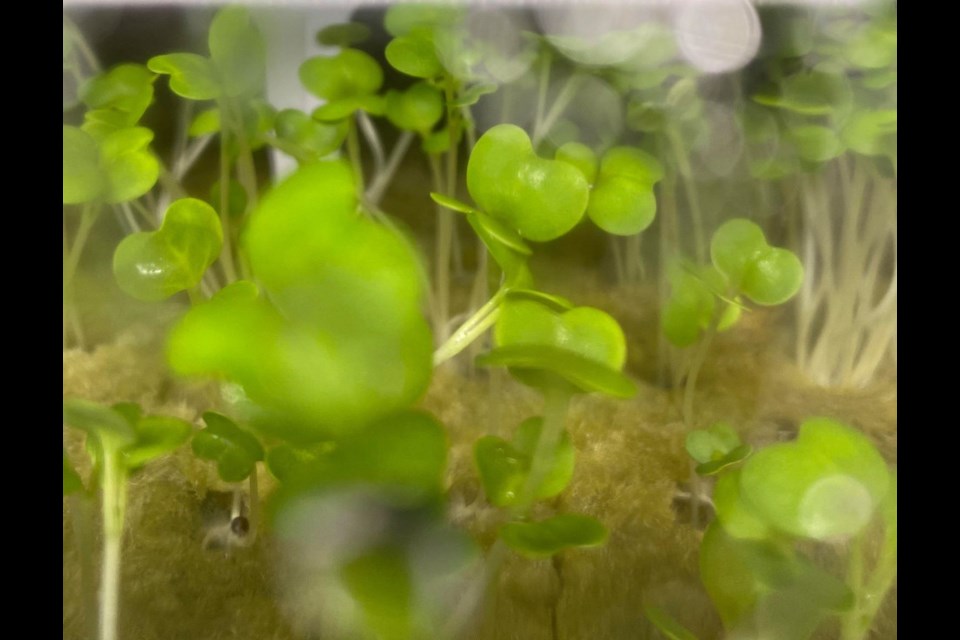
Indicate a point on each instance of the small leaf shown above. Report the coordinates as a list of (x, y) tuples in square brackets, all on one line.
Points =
[(71, 480), (129, 167), (547, 537), (418, 108), (666, 625), (191, 76), (348, 74), (156, 436), (316, 139), (734, 247), (622, 200), (501, 233), (735, 456), (585, 374), (205, 123), (773, 277), (472, 94), (502, 469), (126, 89), (238, 52), (98, 420), (414, 55), (235, 451), (343, 35)]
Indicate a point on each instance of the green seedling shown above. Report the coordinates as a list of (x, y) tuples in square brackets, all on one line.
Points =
[(830, 486), (548, 537), (115, 167), (307, 139), (121, 441), (417, 109), (235, 451), (347, 82), (341, 340), (716, 448), (706, 300), (622, 200), (116, 99), (154, 265)]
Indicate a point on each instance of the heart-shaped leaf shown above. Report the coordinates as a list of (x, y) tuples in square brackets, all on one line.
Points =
[(541, 198), (349, 74), (582, 157), (707, 445), (767, 275), (342, 340), (583, 346), (98, 420), (414, 54), (126, 89), (314, 139), (548, 537), (154, 265), (622, 200), (130, 168), (191, 76), (694, 294), (418, 108), (238, 52), (235, 451), (825, 485)]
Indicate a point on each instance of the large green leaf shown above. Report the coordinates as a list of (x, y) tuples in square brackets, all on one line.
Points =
[(418, 108), (126, 89), (191, 76), (154, 265), (348, 74)]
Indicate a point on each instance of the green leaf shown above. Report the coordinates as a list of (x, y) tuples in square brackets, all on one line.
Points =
[(694, 294), (557, 303), (875, 47), (97, 420), (773, 277), (826, 485), (191, 76), (338, 110), (735, 456), (816, 143), (418, 108), (349, 74), (622, 200), (582, 157), (866, 131), (235, 451), (130, 169), (706, 445), (402, 18), (451, 203), (315, 139), (734, 247), (503, 470), (536, 365), (343, 35), (205, 123), (71, 480), (547, 537), (737, 518), (83, 180), (414, 55), (283, 460), (472, 94), (154, 265), (238, 52), (496, 230), (809, 93), (156, 436), (542, 199), (725, 572), (564, 457), (380, 582), (666, 625), (126, 89), (341, 338)]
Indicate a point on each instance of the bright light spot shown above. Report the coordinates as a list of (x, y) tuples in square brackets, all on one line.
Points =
[(717, 36), (835, 507)]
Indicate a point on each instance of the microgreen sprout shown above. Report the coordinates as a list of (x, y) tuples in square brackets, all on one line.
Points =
[(121, 441)]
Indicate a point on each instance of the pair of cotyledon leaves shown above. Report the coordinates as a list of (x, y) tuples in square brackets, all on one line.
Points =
[(542, 199), (107, 159), (743, 264)]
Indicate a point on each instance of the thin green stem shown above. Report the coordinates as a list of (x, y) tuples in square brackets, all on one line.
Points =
[(699, 357), (353, 151), (690, 190), (226, 253), (369, 131), (254, 511), (114, 508), (555, 406), (543, 85), (564, 97), (470, 330), (84, 535), (382, 180)]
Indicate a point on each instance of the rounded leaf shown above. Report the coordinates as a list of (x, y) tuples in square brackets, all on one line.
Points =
[(414, 54), (191, 76), (238, 52), (542, 199), (154, 265), (773, 277), (503, 470), (316, 139), (130, 168), (126, 88), (582, 157), (418, 108), (734, 247), (622, 200), (348, 74)]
